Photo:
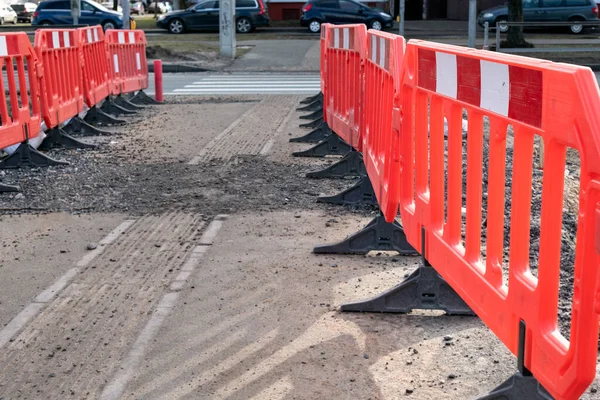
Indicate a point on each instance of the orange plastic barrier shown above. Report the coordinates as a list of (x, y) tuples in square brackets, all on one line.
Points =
[(58, 53), (323, 53), (19, 113), (382, 66), (557, 102), (95, 64), (128, 67), (346, 48)]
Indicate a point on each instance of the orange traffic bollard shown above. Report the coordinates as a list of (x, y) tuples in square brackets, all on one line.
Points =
[(158, 80)]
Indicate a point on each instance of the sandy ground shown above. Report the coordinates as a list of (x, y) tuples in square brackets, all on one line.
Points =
[(255, 316)]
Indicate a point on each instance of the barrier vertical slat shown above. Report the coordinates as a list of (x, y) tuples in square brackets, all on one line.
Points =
[(94, 65)]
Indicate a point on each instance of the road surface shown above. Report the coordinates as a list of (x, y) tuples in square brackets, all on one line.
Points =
[(254, 83)]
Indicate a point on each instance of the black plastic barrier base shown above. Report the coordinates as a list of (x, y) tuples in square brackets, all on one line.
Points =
[(377, 235), (57, 137), (311, 99), (523, 384), (315, 136), (113, 108), (313, 106), (77, 126), (332, 145), (27, 156), (313, 115), (126, 104), (360, 194), (97, 116), (351, 165), (424, 289), (8, 188), (312, 124), (142, 98)]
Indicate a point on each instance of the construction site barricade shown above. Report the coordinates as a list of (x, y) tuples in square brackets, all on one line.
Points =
[(128, 68), (559, 104), (94, 65), (380, 137), (20, 114), (342, 100), (323, 54), (58, 52)]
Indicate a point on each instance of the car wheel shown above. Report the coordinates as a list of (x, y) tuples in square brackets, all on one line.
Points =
[(108, 25), (1, 21), (501, 22), (176, 26), (243, 25), (14, 21), (576, 28), (376, 25), (314, 26)]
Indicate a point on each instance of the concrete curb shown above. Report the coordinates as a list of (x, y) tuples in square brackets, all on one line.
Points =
[(180, 68)]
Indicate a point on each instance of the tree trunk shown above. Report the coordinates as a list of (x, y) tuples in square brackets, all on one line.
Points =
[(515, 36)]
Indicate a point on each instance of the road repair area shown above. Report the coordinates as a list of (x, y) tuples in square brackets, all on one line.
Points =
[(174, 261)]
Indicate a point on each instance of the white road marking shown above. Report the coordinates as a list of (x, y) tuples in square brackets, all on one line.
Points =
[(250, 83), (116, 387), (19, 322)]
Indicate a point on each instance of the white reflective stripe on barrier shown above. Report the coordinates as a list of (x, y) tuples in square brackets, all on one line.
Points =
[(447, 77), (382, 52), (89, 36), (346, 38), (131, 37), (336, 38), (95, 34), (137, 60), (116, 60), (55, 40), (3, 48), (121, 38), (67, 39)]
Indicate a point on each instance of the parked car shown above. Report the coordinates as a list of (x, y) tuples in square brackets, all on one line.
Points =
[(7, 14), (137, 8), (109, 5), (317, 12), (24, 11), (545, 11), (58, 12), (249, 14), (162, 7)]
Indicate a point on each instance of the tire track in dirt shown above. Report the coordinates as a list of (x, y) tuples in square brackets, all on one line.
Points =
[(249, 134), (74, 345)]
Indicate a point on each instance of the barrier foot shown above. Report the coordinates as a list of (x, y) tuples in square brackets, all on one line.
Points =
[(113, 108), (311, 99), (351, 165), (313, 106), (314, 115), (142, 98), (314, 136), (8, 188), (333, 145), (523, 384), (424, 289), (57, 137), (362, 193), (78, 126), (126, 104), (27, 156), (377, 235), (97, 116), (312, 124)]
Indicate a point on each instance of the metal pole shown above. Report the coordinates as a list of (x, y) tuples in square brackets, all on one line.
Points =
[(472, 22), (126, 14), (497, 37), (75, 11), (227, 28), (486, 34), (402, 9)]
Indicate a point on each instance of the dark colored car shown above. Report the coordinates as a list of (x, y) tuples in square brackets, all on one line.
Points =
[(317, 12), (249, 14), (58, 12), (545, 11), (24, 11)]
